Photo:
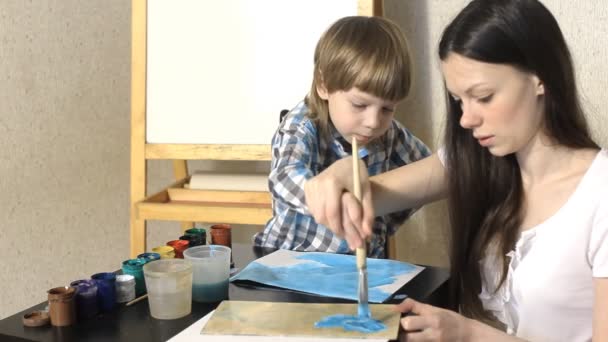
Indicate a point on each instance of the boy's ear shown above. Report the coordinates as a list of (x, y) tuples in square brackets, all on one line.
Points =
[(322, 91)]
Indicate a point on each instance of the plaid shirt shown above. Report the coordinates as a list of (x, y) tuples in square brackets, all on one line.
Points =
[(298, 154)]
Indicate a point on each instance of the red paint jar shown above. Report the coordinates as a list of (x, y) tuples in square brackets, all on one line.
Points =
[(179, 246)]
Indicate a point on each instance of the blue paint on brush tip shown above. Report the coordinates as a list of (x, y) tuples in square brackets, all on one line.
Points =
[(351, 323), (363, 310)]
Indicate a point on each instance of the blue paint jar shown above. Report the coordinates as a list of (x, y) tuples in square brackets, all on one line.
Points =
[(149, 256), (135, 267), (86, 298), (106, 290)]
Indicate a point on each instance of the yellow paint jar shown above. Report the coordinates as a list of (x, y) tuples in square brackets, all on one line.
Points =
[(166, 252)]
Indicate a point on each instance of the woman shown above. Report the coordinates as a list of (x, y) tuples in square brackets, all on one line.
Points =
[(526, 187)]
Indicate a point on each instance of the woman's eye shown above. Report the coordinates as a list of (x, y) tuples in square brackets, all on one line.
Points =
[(486, 99)]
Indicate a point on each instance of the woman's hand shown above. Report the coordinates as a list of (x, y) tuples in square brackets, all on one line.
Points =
[(430, 323), (331, 202)]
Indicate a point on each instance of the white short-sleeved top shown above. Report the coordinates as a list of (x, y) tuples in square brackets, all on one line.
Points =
[(548, 293)]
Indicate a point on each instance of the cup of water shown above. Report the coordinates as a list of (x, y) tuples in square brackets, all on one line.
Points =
[(169, 285), (211, 271)]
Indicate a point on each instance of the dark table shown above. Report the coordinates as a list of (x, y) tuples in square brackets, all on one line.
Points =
[(134, 323)]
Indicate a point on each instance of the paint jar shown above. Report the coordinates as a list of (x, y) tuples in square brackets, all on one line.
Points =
[(125, 288), (62, 309), (86, 298), (165, 252), (106, 290), (193, 239), (200, 232), (149, 256), (169, 284), (179, 246), (210, 271), (221, 234), (135, 267)]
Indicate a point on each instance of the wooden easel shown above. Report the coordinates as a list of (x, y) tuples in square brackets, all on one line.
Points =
[(237, 207)]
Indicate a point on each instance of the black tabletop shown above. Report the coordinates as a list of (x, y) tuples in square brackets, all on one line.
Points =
[(134, 323)]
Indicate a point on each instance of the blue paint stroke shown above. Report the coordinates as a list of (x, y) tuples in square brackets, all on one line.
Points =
[(351, 323), (363, 310), (328, 274)]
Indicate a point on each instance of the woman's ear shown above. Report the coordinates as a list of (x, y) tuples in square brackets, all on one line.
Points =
[(540, 86)]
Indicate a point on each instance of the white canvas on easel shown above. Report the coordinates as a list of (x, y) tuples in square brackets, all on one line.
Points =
[(220, 72)]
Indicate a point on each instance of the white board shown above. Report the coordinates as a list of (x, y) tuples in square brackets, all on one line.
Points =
[(220, 72)]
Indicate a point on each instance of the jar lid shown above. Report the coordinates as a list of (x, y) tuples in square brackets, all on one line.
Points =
[(36, 319), (139, 262), (149, 256), (125, 278)]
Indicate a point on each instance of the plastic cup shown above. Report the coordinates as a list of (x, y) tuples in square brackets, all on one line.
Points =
[(211, 270), (169, 285)]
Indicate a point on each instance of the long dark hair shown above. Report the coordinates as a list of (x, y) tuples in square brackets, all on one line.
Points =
[(485, 192)]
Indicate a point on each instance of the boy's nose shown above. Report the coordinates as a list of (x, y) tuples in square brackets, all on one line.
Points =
[(372, 120)]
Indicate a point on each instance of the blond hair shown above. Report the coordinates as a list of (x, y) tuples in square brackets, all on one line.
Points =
[(369, 53)]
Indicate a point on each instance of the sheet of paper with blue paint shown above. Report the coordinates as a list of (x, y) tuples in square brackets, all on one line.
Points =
[(248, 318), (328, 274)]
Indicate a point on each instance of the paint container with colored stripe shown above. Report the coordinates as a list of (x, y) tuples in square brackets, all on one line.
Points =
[(106, 290), (135, 267), (169, 285), (179, 246), (165, 252), (86, 298), (62, 309), (125, 288), (149, 256)]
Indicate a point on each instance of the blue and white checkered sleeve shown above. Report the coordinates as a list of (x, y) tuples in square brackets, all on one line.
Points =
[(406, 147), (292, 149)]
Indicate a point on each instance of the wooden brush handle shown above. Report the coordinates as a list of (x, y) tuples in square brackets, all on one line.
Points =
[(361, 252)]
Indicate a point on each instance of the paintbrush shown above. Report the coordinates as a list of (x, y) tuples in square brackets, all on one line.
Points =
[(363, 308)]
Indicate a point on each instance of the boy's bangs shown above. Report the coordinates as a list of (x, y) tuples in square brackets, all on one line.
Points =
[(385, 80)]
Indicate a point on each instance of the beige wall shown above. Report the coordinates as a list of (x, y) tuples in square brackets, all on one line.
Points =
[(64, 132)]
